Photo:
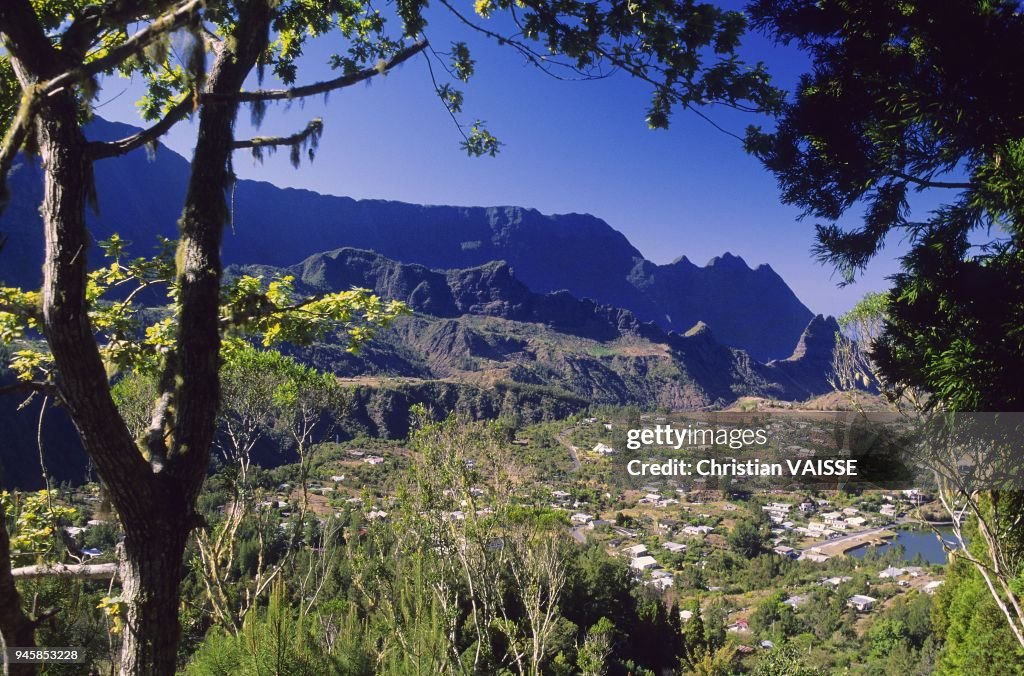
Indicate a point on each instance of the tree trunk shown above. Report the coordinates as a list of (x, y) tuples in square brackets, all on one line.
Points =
[(155, 501), (16, 628), (151, 583), (152, 508)]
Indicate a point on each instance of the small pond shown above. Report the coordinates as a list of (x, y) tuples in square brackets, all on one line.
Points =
[(922, 540)]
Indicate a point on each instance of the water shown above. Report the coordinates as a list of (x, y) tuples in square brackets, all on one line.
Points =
[(921, 541)]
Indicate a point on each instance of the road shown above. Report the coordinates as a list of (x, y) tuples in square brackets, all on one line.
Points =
[(563, 438)]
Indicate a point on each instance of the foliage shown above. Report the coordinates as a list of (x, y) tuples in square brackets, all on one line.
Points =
[(976, 636), (784, 660), (277, 640), (905, 97), (747, 538), (34, 523), (130, 340)]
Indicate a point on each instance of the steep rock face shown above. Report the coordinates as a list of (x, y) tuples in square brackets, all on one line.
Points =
[(806, 372), (752, 309), (602, 353), (138, 198), (491, 290)]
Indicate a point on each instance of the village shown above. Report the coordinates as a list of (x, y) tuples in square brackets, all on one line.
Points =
[(723, 551)]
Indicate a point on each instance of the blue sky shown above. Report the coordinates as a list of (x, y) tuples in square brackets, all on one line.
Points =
[(569, 147)]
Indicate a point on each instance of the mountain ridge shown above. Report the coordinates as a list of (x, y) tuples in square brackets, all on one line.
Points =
[(752, 309), (482, 317)]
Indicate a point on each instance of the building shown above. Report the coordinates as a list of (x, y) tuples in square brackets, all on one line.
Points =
[(697, 530), (834, 520), (603, 449), (796, 600), (892, 572), (738, 626), (581, 519), (661, 583), (861, 603), (788, 552), (636, 550), (674, 547), (642, 563)]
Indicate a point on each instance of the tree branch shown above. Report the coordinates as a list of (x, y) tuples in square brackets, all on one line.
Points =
[(173, 20), (85, 28), (94, 571), (162, 416), (312, 130), (103, 149), (29, 386), (928, 183), (327, 85)]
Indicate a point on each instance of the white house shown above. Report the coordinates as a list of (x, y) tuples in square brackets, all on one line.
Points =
[(834, 520), (581, 519), (643, 563), (788, 552), (856, 522), (892, 572), (861, 603), (697, 530), (603, 449), (373, 460), (674, 547), (636, 550), (797, 600)]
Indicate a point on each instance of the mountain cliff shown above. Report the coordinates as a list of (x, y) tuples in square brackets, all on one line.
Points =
[(483, 326), (751, 309)]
